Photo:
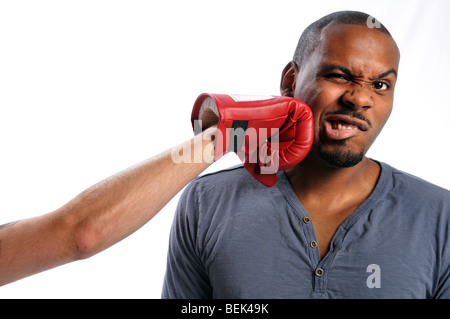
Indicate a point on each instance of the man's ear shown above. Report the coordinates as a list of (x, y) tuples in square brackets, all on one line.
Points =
[(288, 79)]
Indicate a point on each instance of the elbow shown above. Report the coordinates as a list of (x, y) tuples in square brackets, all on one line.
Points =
[(85, 242), (78, 235)]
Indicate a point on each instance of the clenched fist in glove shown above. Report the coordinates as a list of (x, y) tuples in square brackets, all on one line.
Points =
[(269, 133)]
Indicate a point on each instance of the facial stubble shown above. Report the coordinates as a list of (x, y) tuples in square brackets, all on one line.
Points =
[(343, 157)]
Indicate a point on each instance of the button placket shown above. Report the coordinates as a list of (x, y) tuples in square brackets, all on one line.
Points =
[(319, 272), (311, 240), (320, 279)]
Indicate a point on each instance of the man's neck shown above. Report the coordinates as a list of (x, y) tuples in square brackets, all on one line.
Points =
[(313, 179)]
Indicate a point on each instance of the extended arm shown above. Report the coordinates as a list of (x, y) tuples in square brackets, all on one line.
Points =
[(103, 214)]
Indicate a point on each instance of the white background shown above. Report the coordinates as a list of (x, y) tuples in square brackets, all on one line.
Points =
[(88, 88)]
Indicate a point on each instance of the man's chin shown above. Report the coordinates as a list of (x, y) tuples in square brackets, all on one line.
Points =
[(341, 158)]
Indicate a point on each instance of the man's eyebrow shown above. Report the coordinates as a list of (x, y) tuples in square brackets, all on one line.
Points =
[(385, 74), (331, 67)]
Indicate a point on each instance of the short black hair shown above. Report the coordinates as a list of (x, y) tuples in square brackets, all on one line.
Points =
[(311, 36)]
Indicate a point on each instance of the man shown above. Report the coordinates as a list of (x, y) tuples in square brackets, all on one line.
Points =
[(338, 225)]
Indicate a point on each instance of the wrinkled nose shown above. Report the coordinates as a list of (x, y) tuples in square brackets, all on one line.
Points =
[(359, 96)]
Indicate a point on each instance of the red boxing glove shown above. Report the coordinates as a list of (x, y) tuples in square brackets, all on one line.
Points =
[(268, 133)]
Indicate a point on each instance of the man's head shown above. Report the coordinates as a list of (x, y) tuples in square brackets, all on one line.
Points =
[(345, 69)]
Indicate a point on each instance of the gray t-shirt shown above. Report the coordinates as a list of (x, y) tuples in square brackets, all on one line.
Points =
[(232, 237)]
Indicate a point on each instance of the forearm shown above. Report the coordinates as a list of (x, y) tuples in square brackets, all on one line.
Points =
[(119, 205), (101, 215)]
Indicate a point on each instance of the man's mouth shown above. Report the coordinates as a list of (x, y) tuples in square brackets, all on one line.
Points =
[(342, 126), (338, 127)]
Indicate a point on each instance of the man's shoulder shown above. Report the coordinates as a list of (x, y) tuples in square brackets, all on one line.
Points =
[(233, 173), (218, 181), (224, 186), (415, 187), (231, 177)]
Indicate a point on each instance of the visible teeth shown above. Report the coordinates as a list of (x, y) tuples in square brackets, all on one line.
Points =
[(344, 127)]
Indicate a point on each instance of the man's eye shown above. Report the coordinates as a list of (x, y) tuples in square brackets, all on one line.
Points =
[(338, 78), (381, 86)]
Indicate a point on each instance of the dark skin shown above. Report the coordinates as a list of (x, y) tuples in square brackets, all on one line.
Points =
[(349, 85)]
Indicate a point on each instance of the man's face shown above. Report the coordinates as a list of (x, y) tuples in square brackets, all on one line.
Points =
[(349, 85)]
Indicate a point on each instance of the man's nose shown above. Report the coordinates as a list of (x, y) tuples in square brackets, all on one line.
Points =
[(358, 96)]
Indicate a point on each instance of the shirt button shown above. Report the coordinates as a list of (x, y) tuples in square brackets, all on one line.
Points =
[(306, 220), (313, 244), (319, 272)]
